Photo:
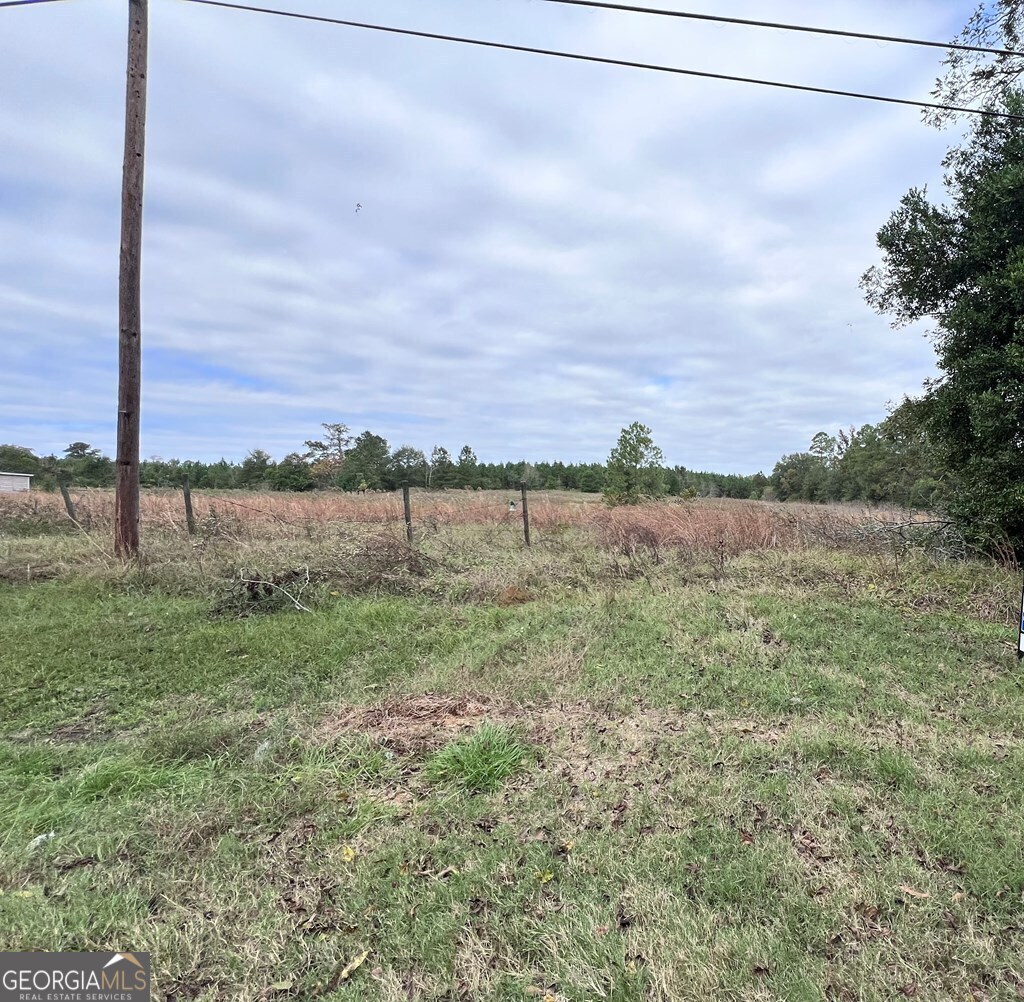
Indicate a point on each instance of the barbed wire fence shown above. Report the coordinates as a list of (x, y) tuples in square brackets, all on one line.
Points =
[(493, 517), (503, 519)]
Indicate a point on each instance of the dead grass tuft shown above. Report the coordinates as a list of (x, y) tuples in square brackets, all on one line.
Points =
[(414, 724), (514, 595)]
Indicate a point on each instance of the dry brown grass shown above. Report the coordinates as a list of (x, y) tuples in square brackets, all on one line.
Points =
[(725, 528), (164, 508), (703, 526), (468, 546)]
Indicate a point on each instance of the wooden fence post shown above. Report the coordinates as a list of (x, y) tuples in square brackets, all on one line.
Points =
[(526, 513), (190, 519), (408, 511), (69, 507)]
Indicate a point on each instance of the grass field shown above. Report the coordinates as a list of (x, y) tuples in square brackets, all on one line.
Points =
[(688, 752)]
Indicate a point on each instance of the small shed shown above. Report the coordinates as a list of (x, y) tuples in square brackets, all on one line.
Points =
[(13, 482)]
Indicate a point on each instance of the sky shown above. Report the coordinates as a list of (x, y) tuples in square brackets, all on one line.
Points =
[(546, 251)]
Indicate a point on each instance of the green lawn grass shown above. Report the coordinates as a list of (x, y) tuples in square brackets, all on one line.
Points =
[(797, 778)]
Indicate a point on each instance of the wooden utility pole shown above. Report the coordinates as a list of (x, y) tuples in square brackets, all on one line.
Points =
[(129, 389)]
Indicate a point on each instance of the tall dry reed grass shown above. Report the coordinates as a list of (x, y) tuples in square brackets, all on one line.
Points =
[(723, 527), (728, 529)]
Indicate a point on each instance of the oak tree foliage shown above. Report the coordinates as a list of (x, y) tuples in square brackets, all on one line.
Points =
[(960, 264), (978, 78)]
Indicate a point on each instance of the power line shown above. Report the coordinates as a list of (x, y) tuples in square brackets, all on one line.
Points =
[(579, 57), (600, 4), (26, 3), (720, 19)]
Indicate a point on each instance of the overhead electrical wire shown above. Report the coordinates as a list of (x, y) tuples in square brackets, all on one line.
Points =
[(653, 67), (606, 61), (722, 19), (26, 3), (780, 26)]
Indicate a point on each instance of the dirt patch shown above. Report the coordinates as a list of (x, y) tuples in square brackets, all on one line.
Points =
[(513, 595), (88, 726), (587, 743), (593, 741), (414, 724), (417, 723)]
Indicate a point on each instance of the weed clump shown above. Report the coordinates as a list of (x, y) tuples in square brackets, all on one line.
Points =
[(480, 762)]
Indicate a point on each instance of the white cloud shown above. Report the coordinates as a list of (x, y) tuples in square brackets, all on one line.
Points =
[(545, 251)]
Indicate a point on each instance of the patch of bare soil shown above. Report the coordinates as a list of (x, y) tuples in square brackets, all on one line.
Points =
[(422, 722), (88, 726), (414, 724), (513, 595)]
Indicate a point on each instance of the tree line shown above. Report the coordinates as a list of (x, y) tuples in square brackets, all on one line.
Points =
[(893, 461), (873, 464)]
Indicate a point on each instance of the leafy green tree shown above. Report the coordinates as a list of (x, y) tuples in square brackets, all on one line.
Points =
[(407, 463), (159, 472), (865, 469), (441, 472), (86, 466), (466, 469), (530, 475), (255, 469), (962, 266), (18, 459), (80, 450), (219, 475), (557, 476), (292, 474), (592, 478), (673, 482), (634, 467), (824, 447), (799, 477), (917, 479), (326, 455), (366, 464), (972, 77)]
